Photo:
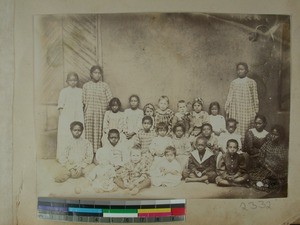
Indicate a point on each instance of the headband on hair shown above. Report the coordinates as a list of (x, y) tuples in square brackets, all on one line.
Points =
[(198, 100)]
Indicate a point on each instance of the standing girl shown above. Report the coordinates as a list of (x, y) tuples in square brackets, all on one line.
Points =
[(96, 95), (113, 119), (215, 119), (70, 109), (133, 119), (242, 101)]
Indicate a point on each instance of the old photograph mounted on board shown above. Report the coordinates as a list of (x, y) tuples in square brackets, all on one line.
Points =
[(152, 105)]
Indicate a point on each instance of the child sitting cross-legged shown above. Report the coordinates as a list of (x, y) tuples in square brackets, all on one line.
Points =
[(202, 163), (167, 173), (134, 175), (232, 170), (77, 155)]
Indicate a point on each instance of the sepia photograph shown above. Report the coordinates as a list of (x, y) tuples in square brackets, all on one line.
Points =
[(162, 105)]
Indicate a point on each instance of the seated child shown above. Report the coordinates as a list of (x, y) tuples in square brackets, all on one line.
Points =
[(149, 110), (182, 144), (77, 155), (216, 120), (144, 138), (102, 177), (212, 141), (194, 134), (113, 151), (232, 171), (134, 175), (229, 134), (198, 116), (163, 113), (159, 143), (202, 163), (167, 173), (182, 115)]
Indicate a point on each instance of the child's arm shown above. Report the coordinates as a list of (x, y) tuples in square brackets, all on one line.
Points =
[(61, 101), (88, 156), (255, 97), (229, 99), (192, 166)]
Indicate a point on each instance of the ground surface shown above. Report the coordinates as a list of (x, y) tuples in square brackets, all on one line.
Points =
[(47, 187)]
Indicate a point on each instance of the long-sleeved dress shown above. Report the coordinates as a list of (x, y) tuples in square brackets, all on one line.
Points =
[(242, 103), (70, 103), (95, 98), (183, 150)]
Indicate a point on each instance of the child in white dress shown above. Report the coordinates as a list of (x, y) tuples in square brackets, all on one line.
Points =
[(168, 171), (70, 109), (216, 120), (133, 120), (159, 143)]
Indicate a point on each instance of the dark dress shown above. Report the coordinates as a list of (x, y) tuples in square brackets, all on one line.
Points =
[(272, 165), (252, 146)]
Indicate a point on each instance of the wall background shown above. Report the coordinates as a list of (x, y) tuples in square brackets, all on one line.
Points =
[(182, 56)]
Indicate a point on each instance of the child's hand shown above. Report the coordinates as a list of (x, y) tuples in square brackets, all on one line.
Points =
[(131, 186), (162, 170), (199, 174)]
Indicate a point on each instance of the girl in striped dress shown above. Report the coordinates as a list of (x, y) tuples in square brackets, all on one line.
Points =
[(96, 95), (242, 102)]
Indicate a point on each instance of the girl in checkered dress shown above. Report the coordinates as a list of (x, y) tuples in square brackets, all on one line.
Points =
[(242, 101), (96, 95)]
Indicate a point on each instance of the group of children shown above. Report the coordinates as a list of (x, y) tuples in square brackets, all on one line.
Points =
[(138, 148)]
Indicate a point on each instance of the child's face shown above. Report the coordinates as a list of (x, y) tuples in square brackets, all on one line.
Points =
[(214, 110), (76, 131), (134, 103), (135, 156), (197, 107), (114, 107), (274, 134), (72, 81), (200, 145), (206, 131), (170, 156), (231, 126), (149, 112), (113, 138), (232, 148), (162, 132), (179, 132), (259, 124), (241, 71), (147, 125), (182, 108), (163, 104), (96, 75)]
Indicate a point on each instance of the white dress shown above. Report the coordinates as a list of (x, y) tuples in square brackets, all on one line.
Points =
[(132, 123), (169, 180), (217, 122), (70, 101)]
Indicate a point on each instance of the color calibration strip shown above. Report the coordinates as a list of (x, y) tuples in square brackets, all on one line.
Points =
[(112, 211)]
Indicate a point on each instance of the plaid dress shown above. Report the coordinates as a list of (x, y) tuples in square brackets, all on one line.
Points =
[(95, 98), (242, 103)]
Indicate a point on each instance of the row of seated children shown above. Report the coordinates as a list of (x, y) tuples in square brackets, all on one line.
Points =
[(112, 162)]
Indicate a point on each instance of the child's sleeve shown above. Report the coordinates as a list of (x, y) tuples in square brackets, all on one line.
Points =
[(106, 122), (84, 100), (212, 164), (205, 117), (88, 155), (255, 97), (152, 147), (61, 100), (108, 93), (174, 120), (192, 165), (229, 98)]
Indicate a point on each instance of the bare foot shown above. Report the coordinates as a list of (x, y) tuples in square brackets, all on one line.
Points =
[(207, 182), (99, 190), (134, 191), (187, 180), (77, 190)]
